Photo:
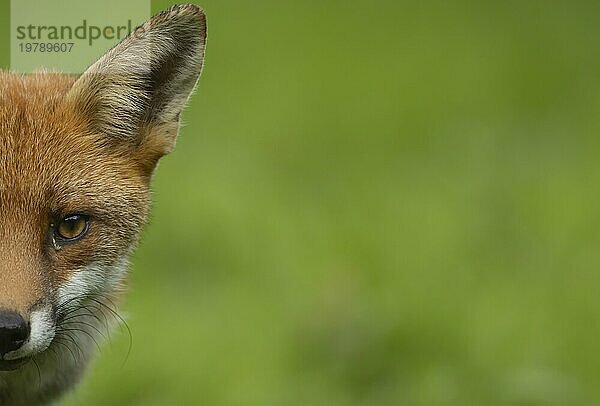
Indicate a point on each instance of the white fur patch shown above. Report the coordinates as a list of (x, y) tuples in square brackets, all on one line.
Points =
[(92, 279), (42, 333)]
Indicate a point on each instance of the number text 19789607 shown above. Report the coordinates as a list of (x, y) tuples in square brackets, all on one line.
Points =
[(46, 46)]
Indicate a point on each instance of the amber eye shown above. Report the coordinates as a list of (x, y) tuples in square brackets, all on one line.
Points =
[(72, 227)]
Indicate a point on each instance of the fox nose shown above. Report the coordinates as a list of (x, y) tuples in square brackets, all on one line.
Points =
[(14, 331)]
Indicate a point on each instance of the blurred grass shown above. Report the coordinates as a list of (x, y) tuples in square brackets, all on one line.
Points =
[(374, 203)]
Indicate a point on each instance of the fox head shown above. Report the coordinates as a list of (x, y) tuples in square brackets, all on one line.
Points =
[(76, 159)]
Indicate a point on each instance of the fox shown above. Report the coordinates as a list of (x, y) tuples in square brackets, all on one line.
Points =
[(77, 156)]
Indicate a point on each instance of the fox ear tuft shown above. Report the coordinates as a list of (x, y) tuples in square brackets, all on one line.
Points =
[(142, 84)]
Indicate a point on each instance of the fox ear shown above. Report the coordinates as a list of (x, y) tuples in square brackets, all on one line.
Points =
[(139, 87)]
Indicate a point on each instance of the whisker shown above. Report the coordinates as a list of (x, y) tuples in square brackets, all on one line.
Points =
[(39, 374), (58, 340), (83, 331), (85, 324), (101, 311), (122, 322), (67, 334), (72, 315)]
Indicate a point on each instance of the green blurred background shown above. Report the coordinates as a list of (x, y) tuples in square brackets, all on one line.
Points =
[(374, 203)]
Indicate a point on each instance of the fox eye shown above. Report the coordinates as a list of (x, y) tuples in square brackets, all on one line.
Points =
[(72, 227)]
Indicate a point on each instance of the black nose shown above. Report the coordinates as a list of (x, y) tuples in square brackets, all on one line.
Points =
[(14, 331)]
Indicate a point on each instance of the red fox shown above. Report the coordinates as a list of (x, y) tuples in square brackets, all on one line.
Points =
[(76, 158)]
